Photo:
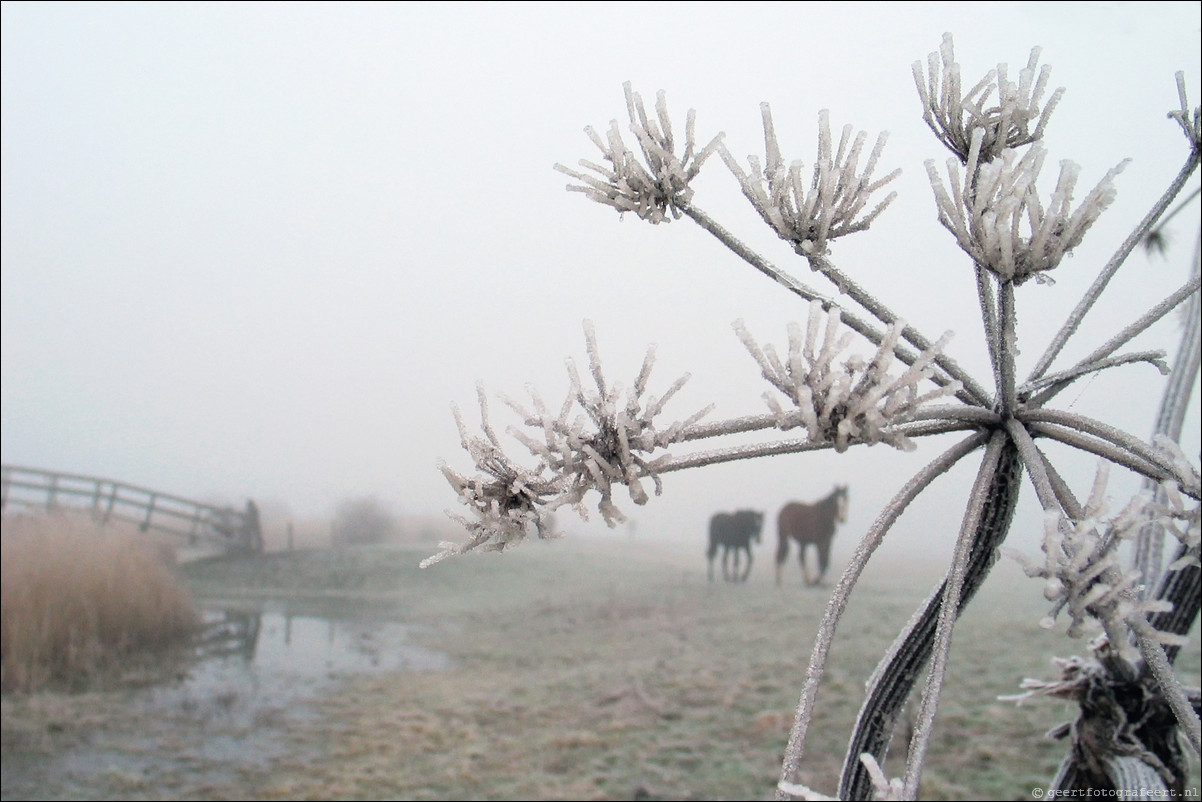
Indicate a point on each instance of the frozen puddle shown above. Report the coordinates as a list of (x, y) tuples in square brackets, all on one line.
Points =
[(258, 668)]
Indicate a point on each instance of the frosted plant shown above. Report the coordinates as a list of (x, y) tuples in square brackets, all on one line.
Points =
[(1084, 574), (996, 216), (615, 441), (831, 204), (655, 188), (993, 208), (852, 402), (955, 117)]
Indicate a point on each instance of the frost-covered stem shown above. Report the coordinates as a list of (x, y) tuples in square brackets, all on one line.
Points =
[(972, 392), (1034, 461), (948, 612), (1154, 358), (1009, 346), (734, 453), (882, 313), (1183, 589), (1126, 441), (1095, 290), (1167, 680), (842, 594), (894, 677), (993, 337), (985, 417), (1079, 440), (1064, 495), (1149, 547), (1117, 341), (749, 423), (768, 420)]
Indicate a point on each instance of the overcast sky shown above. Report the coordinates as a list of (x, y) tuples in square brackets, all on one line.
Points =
[(258, 250)]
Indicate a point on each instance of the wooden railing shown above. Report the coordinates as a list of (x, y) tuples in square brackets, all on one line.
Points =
[(106, 500)]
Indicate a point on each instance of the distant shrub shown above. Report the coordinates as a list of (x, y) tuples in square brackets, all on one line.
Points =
[(362, 521), (76, 598)]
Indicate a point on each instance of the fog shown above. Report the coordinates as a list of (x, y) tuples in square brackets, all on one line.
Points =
[(258, 250)]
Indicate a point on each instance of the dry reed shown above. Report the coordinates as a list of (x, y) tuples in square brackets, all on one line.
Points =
[(77, 598)]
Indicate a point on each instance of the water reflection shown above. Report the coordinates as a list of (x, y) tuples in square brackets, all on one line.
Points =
[(308, 643), (258, 669)]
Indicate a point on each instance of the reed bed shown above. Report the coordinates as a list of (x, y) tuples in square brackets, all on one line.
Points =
[(78, 598)]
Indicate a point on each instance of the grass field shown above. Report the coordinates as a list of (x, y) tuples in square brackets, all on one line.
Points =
[(611, 669)]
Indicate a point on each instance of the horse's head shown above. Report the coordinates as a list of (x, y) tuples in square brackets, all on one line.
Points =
[(751, 522), (841, 502)]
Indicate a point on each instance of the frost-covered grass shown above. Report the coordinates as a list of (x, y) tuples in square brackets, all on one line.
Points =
[(592, 669), (77, 598)]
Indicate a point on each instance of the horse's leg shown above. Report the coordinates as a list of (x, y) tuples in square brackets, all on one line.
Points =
[(782, 552), (710, 553), (747, 571), (824, 556), (726, 562), (805, 572)]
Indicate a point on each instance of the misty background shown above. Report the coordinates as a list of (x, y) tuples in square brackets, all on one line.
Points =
[(257, 250)]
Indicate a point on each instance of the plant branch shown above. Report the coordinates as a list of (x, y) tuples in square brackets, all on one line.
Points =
[(972, 392), (1154, 358), (1128, 442), (989, 316), (894, 677), (1035, 464), (1166, 679), (1116, 261), (948, 614), (1117, 341), (842, 594), (1080, 440), (915, 429)]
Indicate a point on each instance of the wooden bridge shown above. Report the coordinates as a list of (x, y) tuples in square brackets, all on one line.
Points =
[(33, 489)]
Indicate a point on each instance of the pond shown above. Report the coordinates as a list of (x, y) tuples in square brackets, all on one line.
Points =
[(258, 667)]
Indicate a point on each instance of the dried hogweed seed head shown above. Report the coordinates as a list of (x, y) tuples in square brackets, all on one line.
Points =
[(995, 213), (832, 203), (848, 402), (1005, 121), (1082, 570), (598, 439), (656, 187)]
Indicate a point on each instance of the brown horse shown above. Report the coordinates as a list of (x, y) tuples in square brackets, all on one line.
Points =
[(810, 524)]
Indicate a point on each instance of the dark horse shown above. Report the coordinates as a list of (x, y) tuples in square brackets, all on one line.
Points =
[(733, 531), (810, 523)]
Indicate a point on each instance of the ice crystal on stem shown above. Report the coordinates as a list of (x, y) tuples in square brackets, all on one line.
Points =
[(1006, 123), (831, 204), (997, 218), (659, 188), (849, 402)]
